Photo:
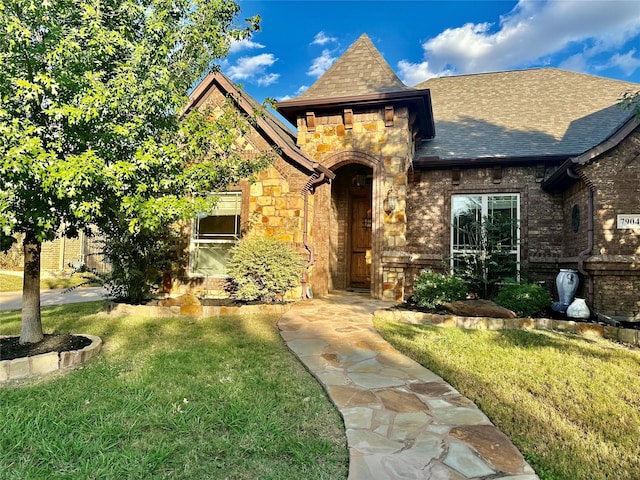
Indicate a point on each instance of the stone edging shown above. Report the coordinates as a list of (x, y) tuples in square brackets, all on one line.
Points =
[(48, 362), (623, 335), (198, 311)]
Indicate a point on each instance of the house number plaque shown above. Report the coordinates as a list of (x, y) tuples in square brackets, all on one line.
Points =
[(629, 221)]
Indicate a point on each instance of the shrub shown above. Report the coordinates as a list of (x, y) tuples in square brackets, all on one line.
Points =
[(263, 268), (525, 299), (433, 289)]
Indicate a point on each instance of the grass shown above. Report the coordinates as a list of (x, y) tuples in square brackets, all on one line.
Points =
[(570, 404), (13, 283), (170, 398)]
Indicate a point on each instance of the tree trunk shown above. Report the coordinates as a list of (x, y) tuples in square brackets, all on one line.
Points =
[(31, 331)]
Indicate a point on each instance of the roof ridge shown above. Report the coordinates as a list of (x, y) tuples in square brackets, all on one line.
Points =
[(523, 71)]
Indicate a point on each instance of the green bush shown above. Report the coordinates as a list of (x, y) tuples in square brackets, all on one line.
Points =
[(263, 268), (433, 289), (525, 299)]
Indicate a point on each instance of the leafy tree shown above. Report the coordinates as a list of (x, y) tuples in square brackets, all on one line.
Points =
[(143, 230), (630, 100), (90, 98)]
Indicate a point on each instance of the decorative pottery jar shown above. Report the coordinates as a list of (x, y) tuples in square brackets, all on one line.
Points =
[(567, 283)]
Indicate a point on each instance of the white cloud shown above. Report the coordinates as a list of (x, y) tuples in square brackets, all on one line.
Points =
[(268, 79), (321, 38), (529, 34), (414, 73), (321, 64), (628, 63), (300, 90), (577, 63), (250, 68), (244, 44)]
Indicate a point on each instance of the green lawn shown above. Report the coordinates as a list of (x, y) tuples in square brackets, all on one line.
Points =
[(170, 398), (571, 404), (13, 283)]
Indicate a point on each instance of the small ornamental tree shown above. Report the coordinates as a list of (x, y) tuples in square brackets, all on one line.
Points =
[(489, 262), (264, 268), (90, 99)]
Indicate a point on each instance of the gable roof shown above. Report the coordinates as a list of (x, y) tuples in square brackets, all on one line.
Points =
[(274, 131), (361, 77), (521, 114)]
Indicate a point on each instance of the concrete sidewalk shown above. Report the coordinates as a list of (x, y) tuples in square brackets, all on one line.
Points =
[(402, 421), (13, 300)]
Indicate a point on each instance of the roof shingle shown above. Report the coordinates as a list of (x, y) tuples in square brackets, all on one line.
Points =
[(524, 113), (360, 70)]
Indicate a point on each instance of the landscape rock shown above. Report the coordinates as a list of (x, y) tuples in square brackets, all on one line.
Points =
[(188, 299), (478, 308)]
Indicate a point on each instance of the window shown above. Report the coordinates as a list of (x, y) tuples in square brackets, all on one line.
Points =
[(214, 234), (485, 234)]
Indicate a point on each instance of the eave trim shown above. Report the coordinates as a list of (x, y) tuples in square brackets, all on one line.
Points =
[(229, 88)]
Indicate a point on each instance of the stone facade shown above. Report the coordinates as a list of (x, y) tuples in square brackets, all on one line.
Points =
[(275, 203), (367, 139), (385, 146)]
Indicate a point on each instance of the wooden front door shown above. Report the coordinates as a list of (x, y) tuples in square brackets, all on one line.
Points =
[(361, 235)]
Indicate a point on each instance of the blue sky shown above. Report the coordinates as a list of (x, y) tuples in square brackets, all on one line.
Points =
[(300, 39)]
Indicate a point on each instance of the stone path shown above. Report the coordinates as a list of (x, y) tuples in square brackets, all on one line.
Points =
[(402, 421)]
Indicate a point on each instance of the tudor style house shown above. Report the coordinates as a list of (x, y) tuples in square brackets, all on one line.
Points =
[(380, 176)]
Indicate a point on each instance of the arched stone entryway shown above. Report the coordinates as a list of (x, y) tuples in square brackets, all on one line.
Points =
[(351, 235), (355, 222)]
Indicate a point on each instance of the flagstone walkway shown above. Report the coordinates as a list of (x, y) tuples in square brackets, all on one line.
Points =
[(402, 421)]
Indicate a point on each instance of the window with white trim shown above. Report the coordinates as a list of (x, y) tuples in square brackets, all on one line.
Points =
[(214, 234), (484, 225)]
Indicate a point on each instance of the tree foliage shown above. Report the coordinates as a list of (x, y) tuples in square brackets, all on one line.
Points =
[(91, 93), (630, 100)]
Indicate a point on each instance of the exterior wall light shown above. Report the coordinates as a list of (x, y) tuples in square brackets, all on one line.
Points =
[(390, 203)]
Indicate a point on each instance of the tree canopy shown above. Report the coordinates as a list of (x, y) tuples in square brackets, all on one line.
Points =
[(91, 131), (630, 100)]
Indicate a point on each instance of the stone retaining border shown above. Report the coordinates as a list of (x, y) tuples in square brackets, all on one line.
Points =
[(198, 311), (48, 362), (623, 335)]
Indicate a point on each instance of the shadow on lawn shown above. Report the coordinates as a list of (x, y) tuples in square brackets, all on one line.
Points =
[(122, 335)]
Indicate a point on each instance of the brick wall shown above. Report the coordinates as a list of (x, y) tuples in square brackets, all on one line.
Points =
[(616, 179), (575, 213), (615, 260), (62, 254), (429, 218)]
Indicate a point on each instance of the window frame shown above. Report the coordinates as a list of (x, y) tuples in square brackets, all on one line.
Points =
[(484, 213), (213, 240)]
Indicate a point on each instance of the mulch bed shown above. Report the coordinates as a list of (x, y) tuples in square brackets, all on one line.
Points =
[(10, 347)]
